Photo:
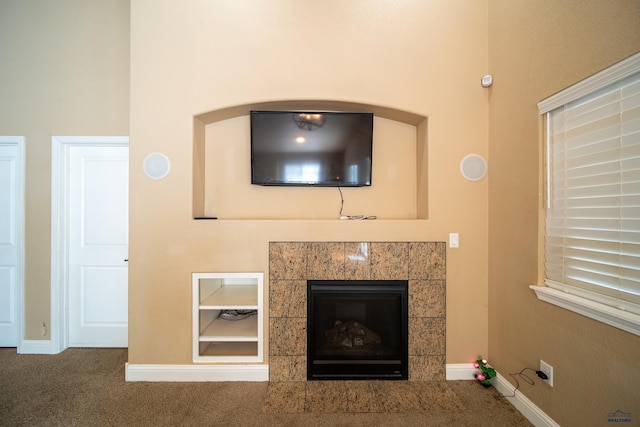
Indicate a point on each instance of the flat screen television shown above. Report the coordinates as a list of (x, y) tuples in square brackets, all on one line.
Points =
[(310, 148)]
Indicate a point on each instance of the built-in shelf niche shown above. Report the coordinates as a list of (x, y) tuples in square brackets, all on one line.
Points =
[(204, 187), (238, 337)]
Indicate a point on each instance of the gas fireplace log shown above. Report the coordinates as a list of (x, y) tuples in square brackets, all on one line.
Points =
[(351, 334)]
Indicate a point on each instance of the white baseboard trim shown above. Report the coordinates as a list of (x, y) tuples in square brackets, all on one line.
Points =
[(526, 407), (460, 371), (36, 347), (196, 373), (465, 371)]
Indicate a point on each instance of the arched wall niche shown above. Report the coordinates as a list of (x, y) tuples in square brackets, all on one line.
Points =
[(201, 121)]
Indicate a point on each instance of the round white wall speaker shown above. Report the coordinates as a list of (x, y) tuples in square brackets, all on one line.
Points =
[(156, 165), (473, 167)]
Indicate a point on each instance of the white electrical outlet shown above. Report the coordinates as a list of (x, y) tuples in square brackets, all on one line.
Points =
[(548, 371)]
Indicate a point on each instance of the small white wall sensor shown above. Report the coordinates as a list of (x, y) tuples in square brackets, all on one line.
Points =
[(487, 80)]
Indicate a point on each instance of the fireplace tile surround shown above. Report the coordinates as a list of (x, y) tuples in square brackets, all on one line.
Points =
[(291, 264)]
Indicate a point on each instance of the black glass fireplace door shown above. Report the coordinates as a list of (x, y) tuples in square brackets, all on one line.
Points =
[(357, 330)]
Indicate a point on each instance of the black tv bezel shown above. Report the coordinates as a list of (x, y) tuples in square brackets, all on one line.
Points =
[(320, 184)]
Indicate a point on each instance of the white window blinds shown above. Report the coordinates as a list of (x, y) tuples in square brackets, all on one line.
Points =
[(592, 242)]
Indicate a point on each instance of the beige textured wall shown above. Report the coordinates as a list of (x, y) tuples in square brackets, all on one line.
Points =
[(229, 193), (64, 70), (537, 48), (424, 57)]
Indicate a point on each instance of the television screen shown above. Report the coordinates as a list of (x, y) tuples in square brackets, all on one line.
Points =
[(330, 149)]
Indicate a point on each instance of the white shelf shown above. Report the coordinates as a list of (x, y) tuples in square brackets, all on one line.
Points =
[(230, 349), (231, 330), (239, 297), (227, 341)]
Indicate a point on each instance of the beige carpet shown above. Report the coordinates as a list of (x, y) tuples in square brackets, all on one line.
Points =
[(86, 387)]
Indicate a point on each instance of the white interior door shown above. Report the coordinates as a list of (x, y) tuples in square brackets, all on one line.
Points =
[(98, 234), (11, 199)]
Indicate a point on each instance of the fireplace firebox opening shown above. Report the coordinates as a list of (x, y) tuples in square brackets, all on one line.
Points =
[(357, 330)]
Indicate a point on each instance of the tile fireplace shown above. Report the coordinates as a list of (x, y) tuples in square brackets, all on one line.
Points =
[(292, 264)]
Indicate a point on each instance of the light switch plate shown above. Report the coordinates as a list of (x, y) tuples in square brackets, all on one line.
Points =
[(453, 240)]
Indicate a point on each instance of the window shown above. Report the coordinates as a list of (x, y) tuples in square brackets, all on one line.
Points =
[(302, 172), (592, 224)]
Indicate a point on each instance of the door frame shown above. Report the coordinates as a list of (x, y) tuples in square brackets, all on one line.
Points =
[(60, 146), (18, 301)]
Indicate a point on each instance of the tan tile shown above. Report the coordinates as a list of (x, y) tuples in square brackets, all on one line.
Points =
[(396, 396), (288, 298), (404, 394), (426, 336), (284, 397), (287, 260), (287, 336), (427, 298), (326, 396), (390, 260), (422, 261), (362, 397), (287, 368), (427, 368), (357, 261), (437, 260), (419, 260), (325, 261), (437, 396)]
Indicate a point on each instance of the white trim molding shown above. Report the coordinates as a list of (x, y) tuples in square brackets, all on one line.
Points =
[(460, 371), (526, 407), (196, 373), (612, 316), (18, 300), (621, 312), (157, 372), (466, 371), (619, 71), (36, 347), (59, 280)]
